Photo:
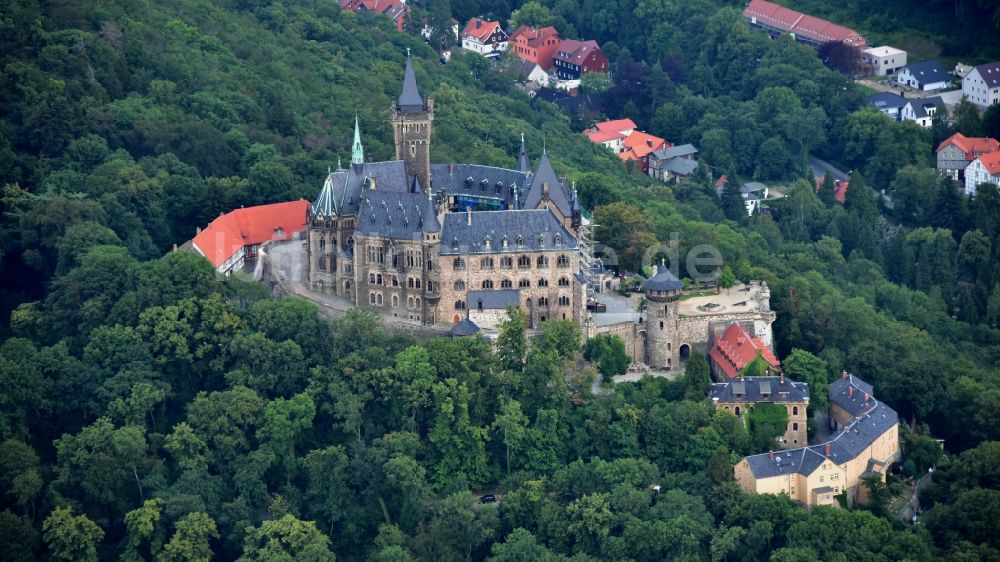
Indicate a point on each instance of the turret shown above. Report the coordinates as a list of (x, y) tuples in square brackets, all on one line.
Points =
[(663, 293)]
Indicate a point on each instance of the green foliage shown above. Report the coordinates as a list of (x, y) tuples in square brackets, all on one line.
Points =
[(71, 537), (766, 422), (608, 352), (697, 377)]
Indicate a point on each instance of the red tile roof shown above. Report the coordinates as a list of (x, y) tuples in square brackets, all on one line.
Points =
[(603, 136), (735, 349), (721, 182), (533, 36), (839, 188), (249, 226), (992, 163), (483, 32), (810, 27), (638, 145), (971, 146), (575, 51), (617, 125)]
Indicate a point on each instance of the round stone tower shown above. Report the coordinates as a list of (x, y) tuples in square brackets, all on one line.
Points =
[(663, 292)]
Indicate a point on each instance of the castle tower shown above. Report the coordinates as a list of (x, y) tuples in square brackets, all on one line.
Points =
[(663, 293), (412, 116), (430, 228)]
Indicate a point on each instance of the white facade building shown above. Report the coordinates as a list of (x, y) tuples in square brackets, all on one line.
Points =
[(981, 85), (885, 60), (985, 169)]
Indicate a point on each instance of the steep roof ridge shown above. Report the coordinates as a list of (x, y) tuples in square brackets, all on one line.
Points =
[(410, 99)]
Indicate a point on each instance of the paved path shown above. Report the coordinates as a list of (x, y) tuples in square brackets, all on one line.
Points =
[(911, 505), (821, 167)]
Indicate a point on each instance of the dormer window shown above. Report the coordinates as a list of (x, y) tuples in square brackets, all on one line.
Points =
[(487, 242), (504, 242), (541, 240), (454, 243), (483, 184), (468, 182), (558, 239), (520, 240)]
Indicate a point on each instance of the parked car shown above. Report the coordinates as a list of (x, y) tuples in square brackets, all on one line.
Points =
[(488, 498)]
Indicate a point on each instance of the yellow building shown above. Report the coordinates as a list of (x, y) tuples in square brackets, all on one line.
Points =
[(866, 441), (739, 395)]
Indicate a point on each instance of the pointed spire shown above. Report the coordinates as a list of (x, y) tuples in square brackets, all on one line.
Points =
[(339, 167), (357, 151), (409, 99), (523, 164), (324, 205), (429, 221)]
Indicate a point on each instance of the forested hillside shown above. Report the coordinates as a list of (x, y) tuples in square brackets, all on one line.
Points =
[(151, 411)]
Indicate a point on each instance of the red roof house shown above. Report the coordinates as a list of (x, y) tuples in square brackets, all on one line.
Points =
[(735, 350), (484, 37), (234, 236), (397, 10), (639, 145), (807, 29), (839, 188), (535, 45), (971, 147), (575, 58)]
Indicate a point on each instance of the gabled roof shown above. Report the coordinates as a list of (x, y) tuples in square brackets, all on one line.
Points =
[(616, 125), (681, 166), (573, 51), (922, 106), (852, 394), (810, 27), (991, 162), (480, 29), (676, 151), (839, 188), (538, 229), (533, 36), (545, 175), (225, 236), (735, 349), (639, 145), (970, 145), (990, 73), (409, 99), (494, 300), (760, 389), (927, 71), (480, 181), (602, 137), (394, 214), (887, 100)]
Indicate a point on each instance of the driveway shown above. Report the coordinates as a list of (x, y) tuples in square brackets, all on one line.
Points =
[(821, 167)]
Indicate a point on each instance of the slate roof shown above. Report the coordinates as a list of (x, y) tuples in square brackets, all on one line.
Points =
[(752, 187), (990, 73), (393, 215), (676, 151), (538, 229), (927, 72), (544, 174), (575, 52), (754, 389), (921, 106), (464, 328), (735, 349), (494, 300), (409, 99), (523, 162), (887, 100), (681, 166), (664, 280), (499, 182)]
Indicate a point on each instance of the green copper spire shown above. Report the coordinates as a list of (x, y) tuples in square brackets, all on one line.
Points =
[(357, 151)]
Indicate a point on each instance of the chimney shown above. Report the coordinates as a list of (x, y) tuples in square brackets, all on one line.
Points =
[(373, 183), (771, 454), (782, 380), (479, 23), (468, 216), (850, 391), (175, 247), (545, 188), (451, 168), (827, 449), (866, 398), (197, 231)]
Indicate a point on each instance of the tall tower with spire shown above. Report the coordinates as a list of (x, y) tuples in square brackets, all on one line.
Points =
[(357, 151), (412, 116)]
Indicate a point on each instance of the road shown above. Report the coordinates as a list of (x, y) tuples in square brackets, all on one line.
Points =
[(820, 167)]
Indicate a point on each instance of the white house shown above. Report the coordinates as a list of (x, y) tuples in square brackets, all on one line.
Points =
[(889, 103), (924, 75), (985, 169), (753, 193), (982, 84), (531, 72), (484, 37), (922, 110), (885, 60)]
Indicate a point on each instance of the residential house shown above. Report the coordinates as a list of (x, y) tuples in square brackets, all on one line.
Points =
[(638, 146), (985, 169), (889, 103), (427, 31), (839, 187), (981, 85), (739, 395), (961, 70), (531, 73), (956, 152), (885, 60), (484, 37), (753, 193), (611, 134), (397, 10), (807, 29), (922, 110), (736, 349), (233, 238), (535, 45), (674, 163), (864, 443), (573, 59), (924, 75)]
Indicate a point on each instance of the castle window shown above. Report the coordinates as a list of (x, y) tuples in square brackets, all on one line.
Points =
[(499, 187), (454, 243), (459, 305), (413, 149), (416, 302), (458, 264), (562, 261), (378, 299), (395, 281), (506, 262), (735, 410), (524, 262), (409, 282), (661, 324), (322, 244), (459, 285), (795, 411), (564, 301), (416, 282), (378, 279), (543, 301), (347, 285), (543, 282), (541, 240), (395, 301), (504, 242), (795, 426), (543, 261), (488, 284), (558, 239), (524, 283), (371, 298), (563, 282), (371, 278), (409, 302), (468, 182), (520, 240), (488, 241), (486, 263), (506, 284), (483, 184)]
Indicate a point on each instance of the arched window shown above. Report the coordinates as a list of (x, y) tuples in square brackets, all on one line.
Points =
[(371, 298), (563, 301), (409, 282), (504, 242), (371, 278), (378, 279), (395, 301), (458, 264), (524, 283), (409, 302), (459, 305), (506, 262), (460, 285), (737, 410), (543, 301), (520, 240), (487, 242), (378, 299), (483, 184), (454, 243), (416, 302), (395, 281), (468, 182), (485, 263), (524, 262), (543, 282), (506, 284), (795, 411), (322, 244), (416, 282), (488, 284), (562, 261), (541, 240), (542, 261), (563, 282), (347, 285)]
